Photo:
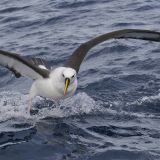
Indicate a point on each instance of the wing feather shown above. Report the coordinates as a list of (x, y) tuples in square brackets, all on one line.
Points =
[(39, 62), (78, 55), (21, 66)]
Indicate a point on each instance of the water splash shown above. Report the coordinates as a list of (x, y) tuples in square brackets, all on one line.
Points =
[(80, 103), (14, 107)]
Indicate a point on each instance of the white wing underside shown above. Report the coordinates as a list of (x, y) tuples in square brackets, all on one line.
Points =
[(19, 67)]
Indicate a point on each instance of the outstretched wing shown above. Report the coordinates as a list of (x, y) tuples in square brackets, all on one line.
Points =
[(21, 66), (77, 57), (39, 62)]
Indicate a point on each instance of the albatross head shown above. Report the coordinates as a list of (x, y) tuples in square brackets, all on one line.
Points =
[(69, 76), (64, 81)]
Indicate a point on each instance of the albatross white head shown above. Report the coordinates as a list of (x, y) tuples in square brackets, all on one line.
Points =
[(70, 80), (64, 81)]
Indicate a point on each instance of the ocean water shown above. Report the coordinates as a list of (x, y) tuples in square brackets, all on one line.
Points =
[(115, 113)]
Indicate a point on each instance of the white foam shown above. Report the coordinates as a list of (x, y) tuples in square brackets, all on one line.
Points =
[(150, 98), (78, 104), (146, 99), (14, 106)]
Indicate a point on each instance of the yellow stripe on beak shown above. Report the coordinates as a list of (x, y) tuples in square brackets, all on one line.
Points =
[(66, 86)]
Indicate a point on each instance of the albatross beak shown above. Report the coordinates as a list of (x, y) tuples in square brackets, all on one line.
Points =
[(67, 81)]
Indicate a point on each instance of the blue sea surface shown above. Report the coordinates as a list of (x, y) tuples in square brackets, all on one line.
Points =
[(115, 112)]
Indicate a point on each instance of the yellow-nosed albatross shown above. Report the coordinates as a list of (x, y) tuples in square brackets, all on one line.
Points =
[(62, 81)]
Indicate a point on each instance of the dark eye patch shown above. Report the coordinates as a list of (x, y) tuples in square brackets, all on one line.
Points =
[(72, 76)]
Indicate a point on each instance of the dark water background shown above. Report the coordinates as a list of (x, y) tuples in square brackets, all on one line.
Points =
[(115, 114)]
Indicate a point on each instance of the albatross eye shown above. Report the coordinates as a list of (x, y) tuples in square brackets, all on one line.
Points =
[(62, 74), (72, 76)]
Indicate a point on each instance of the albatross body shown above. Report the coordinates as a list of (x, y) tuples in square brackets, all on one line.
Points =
[(54, 87), (62, 81)]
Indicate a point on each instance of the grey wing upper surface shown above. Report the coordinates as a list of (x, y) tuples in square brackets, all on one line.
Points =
[(39, 62), (21, 66), (78, 55)]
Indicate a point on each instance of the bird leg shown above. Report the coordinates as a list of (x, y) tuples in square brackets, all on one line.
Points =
[(29, 105)]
